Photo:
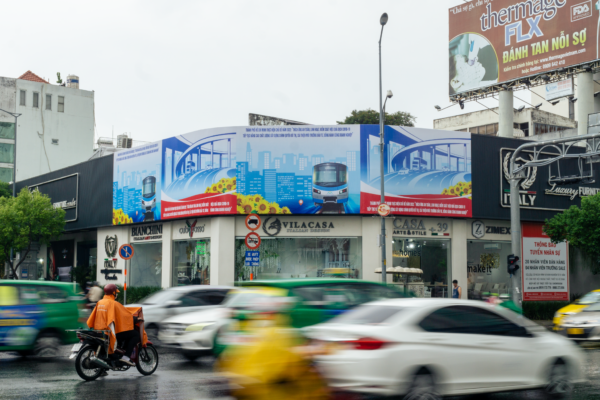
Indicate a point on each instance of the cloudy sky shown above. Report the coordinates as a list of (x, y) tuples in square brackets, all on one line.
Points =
[(161, 68)]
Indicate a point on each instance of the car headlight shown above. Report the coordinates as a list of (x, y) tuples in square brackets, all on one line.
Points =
[(198, 327)]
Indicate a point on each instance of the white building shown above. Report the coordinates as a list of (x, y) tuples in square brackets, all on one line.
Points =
[(55, 129)]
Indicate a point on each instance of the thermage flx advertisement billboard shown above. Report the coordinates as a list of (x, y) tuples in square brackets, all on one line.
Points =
[(501, 40), (293, 170)]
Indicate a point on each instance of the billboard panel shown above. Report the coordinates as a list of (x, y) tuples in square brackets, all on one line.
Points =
[(299, 170), (427, 172), (137, 184), (545, 269), (293, 170), (559, 89), (503, 40), (199, 174)]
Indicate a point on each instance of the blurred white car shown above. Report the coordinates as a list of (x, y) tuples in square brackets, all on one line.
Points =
[(403, 171), (425, 348), (179, 300), (195, 333)]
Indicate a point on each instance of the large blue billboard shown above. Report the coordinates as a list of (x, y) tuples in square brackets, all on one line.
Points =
[(302, 169)]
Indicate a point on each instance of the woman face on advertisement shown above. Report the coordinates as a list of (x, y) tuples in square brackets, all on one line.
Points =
[(467, 76)]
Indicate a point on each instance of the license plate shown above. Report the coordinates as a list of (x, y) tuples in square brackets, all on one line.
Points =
[(575, 331)]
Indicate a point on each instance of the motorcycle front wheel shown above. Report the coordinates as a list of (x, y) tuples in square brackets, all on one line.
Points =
[(85, 369), (147, 360)]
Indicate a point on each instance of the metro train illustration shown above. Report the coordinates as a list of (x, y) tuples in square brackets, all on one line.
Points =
[(149, 196), (330, 184)]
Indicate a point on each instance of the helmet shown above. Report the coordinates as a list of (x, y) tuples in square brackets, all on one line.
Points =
[(111, 288)]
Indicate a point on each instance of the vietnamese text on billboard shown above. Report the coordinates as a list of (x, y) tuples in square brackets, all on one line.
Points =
[(497, 41)]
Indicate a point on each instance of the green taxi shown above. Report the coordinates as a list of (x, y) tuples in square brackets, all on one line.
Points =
[(35, 316), (320, 299)]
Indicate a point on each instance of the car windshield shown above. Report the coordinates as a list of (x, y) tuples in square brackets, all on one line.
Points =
[(367, 315), (161, 297), (592, 308), (590, 298)]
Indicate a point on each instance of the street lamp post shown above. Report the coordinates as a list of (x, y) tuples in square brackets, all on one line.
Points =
[(14, 181), (383, 20)]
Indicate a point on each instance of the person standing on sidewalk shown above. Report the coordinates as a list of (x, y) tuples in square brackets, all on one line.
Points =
[(456, 290)]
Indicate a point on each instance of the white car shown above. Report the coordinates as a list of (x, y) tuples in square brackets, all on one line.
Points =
[(195, 333), (178, 300), (425, 348)]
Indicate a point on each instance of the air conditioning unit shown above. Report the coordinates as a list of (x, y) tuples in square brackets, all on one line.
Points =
[(124, 142)]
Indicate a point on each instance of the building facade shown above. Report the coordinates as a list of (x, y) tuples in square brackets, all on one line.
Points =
[(55, 128), (424, 252)]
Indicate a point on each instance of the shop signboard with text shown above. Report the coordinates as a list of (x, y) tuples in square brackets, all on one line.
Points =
[(540, 189), (497, 41), (545, 266)]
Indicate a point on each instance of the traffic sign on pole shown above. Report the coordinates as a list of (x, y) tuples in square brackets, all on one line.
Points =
[(253, 222), (252, 241), (126, 251)]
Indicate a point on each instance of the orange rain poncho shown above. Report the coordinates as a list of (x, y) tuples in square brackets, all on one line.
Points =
[(108, 311)]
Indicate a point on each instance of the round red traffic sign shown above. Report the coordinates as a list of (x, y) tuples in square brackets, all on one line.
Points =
[(384, 210), (126, 251), (252, 240), (253, 222)]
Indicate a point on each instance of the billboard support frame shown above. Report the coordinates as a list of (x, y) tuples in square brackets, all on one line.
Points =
[(526, 82)]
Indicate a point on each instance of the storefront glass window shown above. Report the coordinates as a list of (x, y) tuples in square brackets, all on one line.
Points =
[(191, 262), (146, 265), (486, 268), (285, 258), (432, 257)]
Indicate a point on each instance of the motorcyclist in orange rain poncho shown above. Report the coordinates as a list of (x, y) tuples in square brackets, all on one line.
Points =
[(112, 315)]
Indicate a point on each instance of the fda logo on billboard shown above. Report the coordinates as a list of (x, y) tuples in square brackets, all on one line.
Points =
[(581, 11)]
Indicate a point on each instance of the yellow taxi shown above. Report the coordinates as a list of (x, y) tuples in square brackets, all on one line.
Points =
[(576, 307)]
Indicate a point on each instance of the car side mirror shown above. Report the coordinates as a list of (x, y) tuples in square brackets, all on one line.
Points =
[(173, 303)]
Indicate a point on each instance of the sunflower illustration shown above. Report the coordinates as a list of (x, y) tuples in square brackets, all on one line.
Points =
[(256, 198), (285, 210), (240, 199), (240, 210), (247, 206), (214, 188), (262, 207), (274, 208)]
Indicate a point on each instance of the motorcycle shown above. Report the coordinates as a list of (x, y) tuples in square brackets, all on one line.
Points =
[(93, 358)]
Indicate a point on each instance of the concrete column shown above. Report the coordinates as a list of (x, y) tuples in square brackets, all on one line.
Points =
[(585, 100), (459, 255), (222, 251), (371, 253), (166, 279), (506, 114)]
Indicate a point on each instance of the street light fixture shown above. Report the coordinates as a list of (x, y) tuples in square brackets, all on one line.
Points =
[(383, 20)]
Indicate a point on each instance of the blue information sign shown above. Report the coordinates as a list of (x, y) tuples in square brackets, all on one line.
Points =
[(252, 258)]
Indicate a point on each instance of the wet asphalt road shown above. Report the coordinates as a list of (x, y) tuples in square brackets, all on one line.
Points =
[(176, 378)]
